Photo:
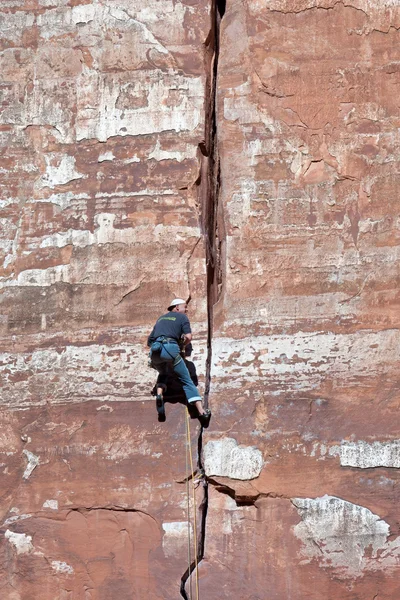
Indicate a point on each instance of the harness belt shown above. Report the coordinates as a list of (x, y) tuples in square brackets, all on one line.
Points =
[(165, 340), (162, 340)]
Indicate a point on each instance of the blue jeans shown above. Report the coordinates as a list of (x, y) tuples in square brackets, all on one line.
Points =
[(162, 355)]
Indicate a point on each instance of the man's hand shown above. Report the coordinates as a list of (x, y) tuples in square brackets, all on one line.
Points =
[(186, 338)]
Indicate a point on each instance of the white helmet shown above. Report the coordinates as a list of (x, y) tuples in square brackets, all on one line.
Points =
[(176, 302)]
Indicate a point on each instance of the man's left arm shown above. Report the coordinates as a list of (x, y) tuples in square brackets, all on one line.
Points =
[(150, 339)]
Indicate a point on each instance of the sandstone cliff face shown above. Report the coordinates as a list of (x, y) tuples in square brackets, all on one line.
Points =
[(247, 156), (102, 116)]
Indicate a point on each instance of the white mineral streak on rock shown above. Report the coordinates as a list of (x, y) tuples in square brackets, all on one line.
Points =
[(343, 536), (20, 541), (146, 34), (366, 455), (240, 204), (33, 462), (53, 504), (175, 537), (158, 154), (173, 12), (16, 518), (96, 371), (175, 528), (106, 156), (105, 407), (144, 192), (61, 173), (134, 159), (158, 114), (232, 516), (63, 199), (301, 360), (39, 277), (7, 202), (239, 107), (106, 233), (6, 244), (16, 23), (225, 458), (61, 567), (83, 14)]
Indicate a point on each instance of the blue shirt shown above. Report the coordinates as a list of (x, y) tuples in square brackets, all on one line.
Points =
[(172, 325)]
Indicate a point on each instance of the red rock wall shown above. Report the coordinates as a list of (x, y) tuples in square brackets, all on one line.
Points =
[(102, 114), (305, 381), (107, 113)]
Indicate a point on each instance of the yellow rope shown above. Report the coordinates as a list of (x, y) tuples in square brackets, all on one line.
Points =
[(188, 517), (194, 502)]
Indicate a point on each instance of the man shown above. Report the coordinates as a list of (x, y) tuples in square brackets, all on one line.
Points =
[(169, 330), (174, 390)]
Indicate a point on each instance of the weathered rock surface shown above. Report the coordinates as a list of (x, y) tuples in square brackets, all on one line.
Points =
[(101, 118), (306, 327), (116, 169)]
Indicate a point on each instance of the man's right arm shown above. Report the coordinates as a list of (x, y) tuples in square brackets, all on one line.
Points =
[(186, 331)]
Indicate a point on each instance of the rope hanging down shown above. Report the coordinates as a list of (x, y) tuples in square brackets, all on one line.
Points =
[(189, 451), (188, 515)]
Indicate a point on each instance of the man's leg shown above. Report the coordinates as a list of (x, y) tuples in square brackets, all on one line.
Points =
[(191, 391), (161, 388), (161, 384)]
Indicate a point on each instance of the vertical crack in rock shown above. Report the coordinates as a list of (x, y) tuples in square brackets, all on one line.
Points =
[(209, 186), (203, 508), (208, 189)]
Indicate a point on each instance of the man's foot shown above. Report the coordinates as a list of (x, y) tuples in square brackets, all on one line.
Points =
[(205, 418), (160, 408)]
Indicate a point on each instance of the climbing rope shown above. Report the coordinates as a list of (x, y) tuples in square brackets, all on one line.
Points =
[(189, 451), (188, 516)]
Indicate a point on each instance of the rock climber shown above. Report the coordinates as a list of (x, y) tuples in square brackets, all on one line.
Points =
[(174, 391), (169, 331)]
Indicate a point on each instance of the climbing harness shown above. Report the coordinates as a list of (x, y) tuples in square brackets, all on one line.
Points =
[(157, 347), (194, 482)]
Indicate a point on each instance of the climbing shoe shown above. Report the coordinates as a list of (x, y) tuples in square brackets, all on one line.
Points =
[(205, 418), (160, 408)]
